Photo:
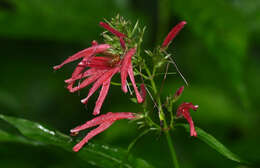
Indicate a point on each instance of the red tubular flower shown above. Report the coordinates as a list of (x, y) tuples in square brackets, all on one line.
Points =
[(104, 121), (178, 93), (122, 42), (101, 69), (175, 30), (120, 35), (112, 30), (87, 53), (127, 69), (183, 110), (143, 91), (100, 73)]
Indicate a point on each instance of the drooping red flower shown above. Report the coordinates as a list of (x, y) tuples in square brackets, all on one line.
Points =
[(175, 30), (104, 121), (143, 91), (178, 93), (100, 70), (127, 69), (86, 54), (183, 110), (120, 35), (112, 30)]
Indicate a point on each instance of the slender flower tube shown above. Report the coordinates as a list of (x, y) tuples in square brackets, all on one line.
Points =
[(120, 35), (127, 69), (87, 53), (112, 30), (175, 30), (178, 93), (143, 91), (104, 121), (183, 110)]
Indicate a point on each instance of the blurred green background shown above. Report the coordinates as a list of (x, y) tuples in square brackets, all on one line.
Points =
[(217, 51)]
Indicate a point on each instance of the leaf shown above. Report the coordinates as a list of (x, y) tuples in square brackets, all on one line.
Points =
[(99, 155), (215, 144), (131, 145)]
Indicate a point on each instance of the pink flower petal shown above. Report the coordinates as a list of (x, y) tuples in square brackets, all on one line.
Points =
[(120, 115), (87, 53), (112, 30), (76, 73), (102, 118), (94, 122), (132, 78), (86, 82), (104, 121), (178, 93), (143, 91), (183, 110), (93, 133), (99, 82), (94, 43), (99, 62), (122, 42), (175, 30), (89, 72), (102, 96), (187, 116), (124, 68)]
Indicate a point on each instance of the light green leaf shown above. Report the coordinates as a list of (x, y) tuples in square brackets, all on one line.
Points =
[(215, 144), (99, 155)]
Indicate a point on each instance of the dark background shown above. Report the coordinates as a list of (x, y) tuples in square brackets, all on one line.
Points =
[(217, 51)]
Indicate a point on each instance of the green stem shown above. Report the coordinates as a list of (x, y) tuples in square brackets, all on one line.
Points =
[(172, 150), (162, 117)]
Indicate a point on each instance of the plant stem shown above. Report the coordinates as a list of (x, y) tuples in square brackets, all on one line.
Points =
[(172, 150), (162, 117)]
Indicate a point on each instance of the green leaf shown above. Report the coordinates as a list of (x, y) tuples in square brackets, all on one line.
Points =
[(215, 144), (99, 155)]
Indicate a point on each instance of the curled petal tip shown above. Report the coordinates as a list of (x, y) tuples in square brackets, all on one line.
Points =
[(124, 89), (84, 101), (68, 81), (184, 22), (77, 147), (57, 67), (94, 42), (172, 34), (71, 90)]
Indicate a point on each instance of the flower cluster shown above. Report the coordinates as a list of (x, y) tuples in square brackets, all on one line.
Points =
[(100, 62), (104, 121), (183, 110), (100, 70)]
